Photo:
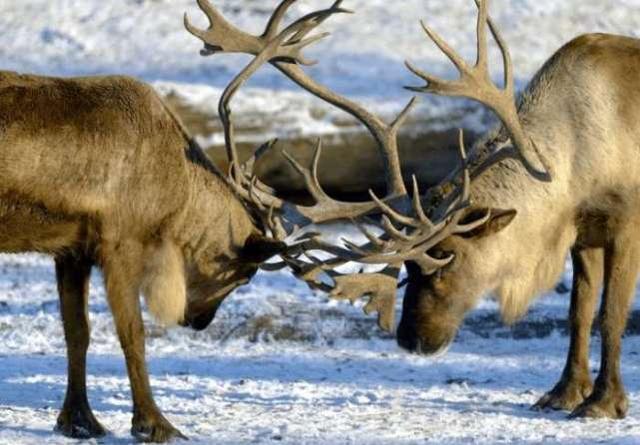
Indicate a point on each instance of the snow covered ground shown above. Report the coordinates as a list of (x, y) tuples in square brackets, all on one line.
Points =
[(332, 381), (280, 364)]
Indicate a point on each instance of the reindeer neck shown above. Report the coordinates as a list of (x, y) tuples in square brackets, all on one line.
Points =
[(214, 220)]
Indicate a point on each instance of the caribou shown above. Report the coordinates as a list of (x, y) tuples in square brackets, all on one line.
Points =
[(557, 177)]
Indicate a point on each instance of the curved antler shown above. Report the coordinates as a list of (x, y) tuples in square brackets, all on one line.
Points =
[(475, 83), (230, 39)]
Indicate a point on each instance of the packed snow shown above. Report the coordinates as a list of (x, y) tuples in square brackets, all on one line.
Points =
[(281, 364)]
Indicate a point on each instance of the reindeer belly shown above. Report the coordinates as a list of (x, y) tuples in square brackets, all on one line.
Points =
[(29, 227)]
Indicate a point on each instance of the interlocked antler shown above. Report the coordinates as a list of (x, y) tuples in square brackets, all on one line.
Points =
[(283, 49), (380, 288), (409, 238), (475, 83)]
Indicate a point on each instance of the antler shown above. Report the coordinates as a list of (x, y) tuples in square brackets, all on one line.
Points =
[(379, 287), (409, 238), (243, 177), (475, 83), (224, 37), (405, 238), (283, 49)]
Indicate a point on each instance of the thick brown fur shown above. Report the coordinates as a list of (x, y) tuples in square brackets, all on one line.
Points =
[(582, 110), (98, 171)]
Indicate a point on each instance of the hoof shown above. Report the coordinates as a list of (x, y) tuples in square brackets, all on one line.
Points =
[(607, 405), (79, 424), (155, 429), (565, 396)]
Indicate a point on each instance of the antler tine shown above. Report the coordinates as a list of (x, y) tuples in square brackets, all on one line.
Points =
[(379, 287), (249, 165), (417, 205), (310, 175), (387, 210), (320, 19), (482, 61), (293, 36), (212, 14), (316, 163), (466, 184), (392, 230), (276, 225), (404, 114), (509, 84), (374, 242), (221, 36), (445, 48), (276, 19), (475, 83)]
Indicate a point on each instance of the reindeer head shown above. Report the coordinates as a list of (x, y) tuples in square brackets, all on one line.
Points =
[(445, 246), (208, 286), (435, 304)]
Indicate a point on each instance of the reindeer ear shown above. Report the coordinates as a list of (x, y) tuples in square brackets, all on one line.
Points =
[(498, 220), (258, 249)]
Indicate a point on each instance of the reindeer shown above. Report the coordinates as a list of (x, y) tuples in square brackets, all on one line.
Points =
[(98, 172), (558, 176)]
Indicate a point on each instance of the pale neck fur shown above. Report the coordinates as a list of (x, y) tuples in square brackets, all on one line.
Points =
[(573, 111)]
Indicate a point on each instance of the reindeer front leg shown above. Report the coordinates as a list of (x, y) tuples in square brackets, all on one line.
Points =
[(622, 258), (123, 265), (76, 418), (575, 384)]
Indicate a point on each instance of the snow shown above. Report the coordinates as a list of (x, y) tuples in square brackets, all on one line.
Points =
[(281, 364), (363, 58), (335, 384)]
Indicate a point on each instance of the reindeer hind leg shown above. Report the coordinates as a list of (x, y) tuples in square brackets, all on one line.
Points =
[(622, 260)]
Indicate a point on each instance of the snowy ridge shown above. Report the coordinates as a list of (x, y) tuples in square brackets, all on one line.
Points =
[(363, 58)]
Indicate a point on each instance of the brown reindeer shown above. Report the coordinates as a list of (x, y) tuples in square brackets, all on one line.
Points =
[(560, 176), (99, 172)]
